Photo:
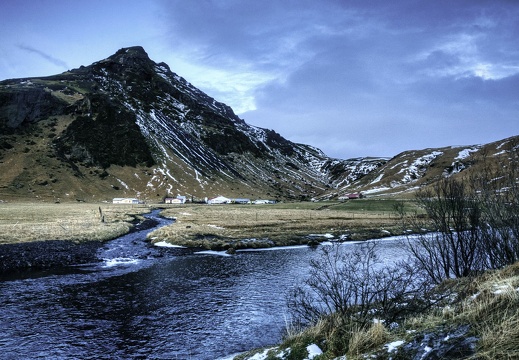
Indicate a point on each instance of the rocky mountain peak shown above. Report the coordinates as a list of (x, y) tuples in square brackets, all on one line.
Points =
[(136, 51), (131, 56), (132, 60)]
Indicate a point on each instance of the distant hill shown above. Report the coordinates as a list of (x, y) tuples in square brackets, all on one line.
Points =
[(410, 170), (127, 126)]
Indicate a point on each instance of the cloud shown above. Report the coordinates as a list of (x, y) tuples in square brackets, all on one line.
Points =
[(49, 58), (236, 49), (464, 56), (351, 77)]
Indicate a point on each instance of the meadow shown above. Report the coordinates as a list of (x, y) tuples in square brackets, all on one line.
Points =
[(219, 227), (200, 225), (26, 222)]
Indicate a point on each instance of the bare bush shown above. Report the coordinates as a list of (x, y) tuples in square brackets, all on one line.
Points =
[(474, 222), (355, 286), (499, 195), (455, 215)]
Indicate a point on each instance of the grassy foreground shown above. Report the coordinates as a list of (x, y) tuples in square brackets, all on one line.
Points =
[(220, 227), (25, 222), (485, 307)]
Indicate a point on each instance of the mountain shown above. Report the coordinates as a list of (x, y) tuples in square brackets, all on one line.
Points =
[(410, 170), (127, 126)]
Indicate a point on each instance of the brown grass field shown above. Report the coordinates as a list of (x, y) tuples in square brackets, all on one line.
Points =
[(240, 226), (200, 225), (25, 222)]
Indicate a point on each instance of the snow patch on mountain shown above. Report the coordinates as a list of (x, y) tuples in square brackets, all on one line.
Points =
[(465, 153), (418, 167), (459, 163)]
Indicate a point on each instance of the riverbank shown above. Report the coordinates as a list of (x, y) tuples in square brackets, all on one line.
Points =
[(472, 318), (41, 236), (44, 254), (77, 222), (38, 255), (223, 227)]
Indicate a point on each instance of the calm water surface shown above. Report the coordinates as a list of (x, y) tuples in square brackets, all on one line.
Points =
[(142, 302)]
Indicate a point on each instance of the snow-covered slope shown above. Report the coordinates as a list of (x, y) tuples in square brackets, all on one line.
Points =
[(412, 169)]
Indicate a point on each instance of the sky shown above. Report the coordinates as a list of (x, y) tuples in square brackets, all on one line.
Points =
[(352, 78)]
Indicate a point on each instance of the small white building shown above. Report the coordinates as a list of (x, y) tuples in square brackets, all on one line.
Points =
[(219, 200), (125, 201), (172, 201), (178, 200), (262, 202), (242, 201)]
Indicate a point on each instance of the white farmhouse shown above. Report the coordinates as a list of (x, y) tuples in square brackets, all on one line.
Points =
[(178, 200), (219, 200), (262, 202)]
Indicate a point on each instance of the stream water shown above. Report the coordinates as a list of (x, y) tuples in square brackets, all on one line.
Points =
[(145, 302)]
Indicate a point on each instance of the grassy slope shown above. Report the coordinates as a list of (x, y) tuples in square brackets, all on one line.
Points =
[(487, 305)]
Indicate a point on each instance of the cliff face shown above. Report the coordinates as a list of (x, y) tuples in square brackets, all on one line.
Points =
[(27, 105)]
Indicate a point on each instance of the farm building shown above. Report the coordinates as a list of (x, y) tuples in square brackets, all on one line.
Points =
[(219, 200), (125, 201), (261, 202), (351, 196), (172, 201), (178, 200), (242, 201)]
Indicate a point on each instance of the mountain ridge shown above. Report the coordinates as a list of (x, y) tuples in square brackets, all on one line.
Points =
[(128, 126)]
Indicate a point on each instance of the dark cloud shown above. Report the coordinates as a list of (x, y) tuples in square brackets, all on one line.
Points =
[(44, 55)]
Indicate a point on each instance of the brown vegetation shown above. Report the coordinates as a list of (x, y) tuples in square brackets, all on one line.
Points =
[(482, 311), (24, 222), (239, 226)]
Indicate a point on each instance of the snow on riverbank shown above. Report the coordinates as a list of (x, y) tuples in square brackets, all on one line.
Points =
[(168, 245)]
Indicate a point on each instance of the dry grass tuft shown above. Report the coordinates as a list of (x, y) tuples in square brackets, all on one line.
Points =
[(489, 304), (493, 312), (366, 340), (500, 338)]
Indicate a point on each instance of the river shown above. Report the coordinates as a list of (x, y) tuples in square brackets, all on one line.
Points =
[(145, 302)]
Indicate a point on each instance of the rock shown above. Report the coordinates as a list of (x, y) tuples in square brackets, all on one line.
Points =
[(445, 345), (231, 251)]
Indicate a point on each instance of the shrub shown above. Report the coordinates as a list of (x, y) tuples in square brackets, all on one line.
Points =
[(349, 289), (475, 224)]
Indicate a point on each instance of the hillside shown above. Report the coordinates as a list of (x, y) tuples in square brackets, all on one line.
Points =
[(409, 170), (127, 126)]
